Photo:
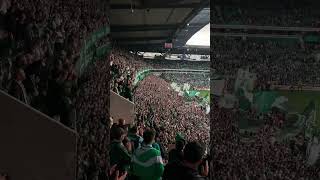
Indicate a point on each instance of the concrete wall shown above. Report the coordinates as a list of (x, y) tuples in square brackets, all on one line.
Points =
[(32, 145), (121, 108)]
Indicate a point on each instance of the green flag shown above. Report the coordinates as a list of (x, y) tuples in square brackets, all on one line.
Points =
[(263, 100), (309, 114)]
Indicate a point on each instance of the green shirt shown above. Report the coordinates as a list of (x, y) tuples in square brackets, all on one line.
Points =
[(147, 163)]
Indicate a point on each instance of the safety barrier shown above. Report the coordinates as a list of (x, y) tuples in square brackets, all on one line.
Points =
[(34, 146)]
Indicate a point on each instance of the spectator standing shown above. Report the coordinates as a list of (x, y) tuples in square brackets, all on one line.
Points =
[(118, 152), (176, 155), (147, 162), (134, 137), (188, 168)]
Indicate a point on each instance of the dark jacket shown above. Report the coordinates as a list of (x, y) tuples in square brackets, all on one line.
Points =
[(136, 140), (177, 171), (119, 154), (175, 156)]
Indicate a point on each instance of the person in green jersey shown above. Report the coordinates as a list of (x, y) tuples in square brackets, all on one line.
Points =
[(146, 161)]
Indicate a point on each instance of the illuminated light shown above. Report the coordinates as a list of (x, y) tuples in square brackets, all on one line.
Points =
[(201, 38)]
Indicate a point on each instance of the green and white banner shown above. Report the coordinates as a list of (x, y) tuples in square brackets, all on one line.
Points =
[(245, 80)]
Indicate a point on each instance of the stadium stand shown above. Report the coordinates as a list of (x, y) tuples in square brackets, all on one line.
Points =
[(165, 122), (153, 98), (53, 59), (48, 53), (256, 37)]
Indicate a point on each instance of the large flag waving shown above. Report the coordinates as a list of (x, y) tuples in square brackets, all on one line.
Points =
[(244, 86), (264, 101), (310, 116)]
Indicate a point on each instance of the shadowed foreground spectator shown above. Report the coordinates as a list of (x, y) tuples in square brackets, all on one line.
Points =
[(188, 168)]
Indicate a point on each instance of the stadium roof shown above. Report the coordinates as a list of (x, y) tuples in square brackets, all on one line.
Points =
[(145, 25)]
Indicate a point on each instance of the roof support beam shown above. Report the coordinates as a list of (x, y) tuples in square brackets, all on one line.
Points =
[(217, 34), (154, 6), (270, 28), (191, 15), (156, 47), (164, 38), (154, 27), (151, 27)]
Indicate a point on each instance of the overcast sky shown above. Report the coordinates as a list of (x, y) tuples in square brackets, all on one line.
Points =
[(201, 38)]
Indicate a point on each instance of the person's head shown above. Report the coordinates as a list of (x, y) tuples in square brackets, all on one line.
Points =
[(149, 136), (20, 74), (121, 122), (126, 141), (4, 176), (193, 153), (119, 134), (180, 145), (133, 130), (21, 61)]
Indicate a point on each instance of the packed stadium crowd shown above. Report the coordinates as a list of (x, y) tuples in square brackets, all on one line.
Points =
[(161, 107), (285, 63), (136, 153), (261, 157), (157, 107), (40, 44), (123, 68), (297, 17), (198, 81), (177, 64), (261, 154), (92, 125)]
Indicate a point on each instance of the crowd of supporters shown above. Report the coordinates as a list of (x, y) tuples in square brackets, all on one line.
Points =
[(260, 157), (177, 64), (297, 17), (198, 81), (40, 45), (136, 153), (157, 107), (157, 104), (278, 61), (163, 109), (123, 68), (93, 127)]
